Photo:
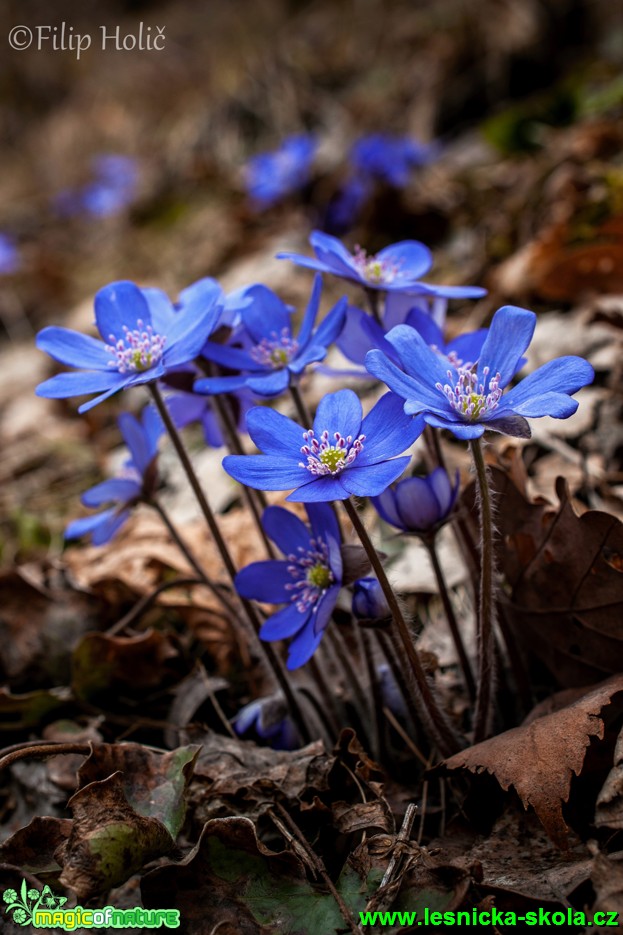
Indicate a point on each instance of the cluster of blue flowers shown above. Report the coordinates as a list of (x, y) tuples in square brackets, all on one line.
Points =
[(244, 345), (112, 188), (379, 158)]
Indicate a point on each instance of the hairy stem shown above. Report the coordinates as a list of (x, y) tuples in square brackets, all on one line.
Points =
[(373, 297), (486, 651), (452, 621), (434, 721)]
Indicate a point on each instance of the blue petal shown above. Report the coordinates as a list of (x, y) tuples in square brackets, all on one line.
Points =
[(451, 292), (468, 347), (320, 490), (161, 309), (265, 581), (338, 412), (311, 313), (563, 375), (265, 314), (201, 295), (188, 335), (274, 433), (118, 304), (136, 441), (265, 472), (307, 261), (372, 480), (356, 339), (388, 430), (231, 357), (114, 490), (285, 623), (443, 488), (212, 386), (106, 531), (74, 349), (399, 304), (86, 525), (331, 326), (102, 396), (419, 361), (324, 522), (509, 424), (417, 504), (509, 335), (425, 326), (286, 530), (385, 506), (411, 258), (311, 354), (422, 397), (153, 427), (64, 385), (303, 647), (464, 430), (272, 384), (324, 609), (332, 253)]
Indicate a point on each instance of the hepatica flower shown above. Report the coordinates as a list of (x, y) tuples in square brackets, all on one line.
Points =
[(342, 454), (143, 338), (10, 259), (307, 581), (136, 483), (369, 602), (273, 356), (268, 719), (271, 176), (390, 158), (419, 505), (113, 188), (470, 398)]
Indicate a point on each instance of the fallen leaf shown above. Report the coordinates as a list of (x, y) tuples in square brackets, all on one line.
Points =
[(609, 808), (539, 759)]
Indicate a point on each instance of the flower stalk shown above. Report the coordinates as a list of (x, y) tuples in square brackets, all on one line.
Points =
[(486, 610)]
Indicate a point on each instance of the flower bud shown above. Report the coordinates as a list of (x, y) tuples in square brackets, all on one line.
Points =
[(369, 602)]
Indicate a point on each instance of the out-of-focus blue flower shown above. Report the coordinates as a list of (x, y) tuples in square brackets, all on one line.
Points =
[(144, 336), (343, 454), (398, 267), (268, 719), (138, 480), (307, 581), (468, 400), (271, 176), (187, 407), (391, 694), (113, 188), (10, 259), (419, 505), (369, 602), (346, 205), (391, 158), (271, 356)]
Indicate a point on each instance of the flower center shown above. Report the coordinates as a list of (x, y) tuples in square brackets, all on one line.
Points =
[(374, 270), (324, 458), (311, 573), (471, 399), (137, 350), (275, 352)]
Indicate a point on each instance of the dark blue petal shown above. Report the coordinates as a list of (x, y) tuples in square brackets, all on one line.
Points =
[(425, 326), (410, 257), (188, 335), (303, 647), (509, 335), (464, 430), (385, 506), (285, 623), (388, 430), (264, 472), (212, 386), (311, 313), (509, 424), (286, 530), (114, 490), (338, 412), (443, 488), (231, 357), (324, 609), (311, 354), (80, 384), (320, 490), (332, 253), (265, 581), (74, 349), (372, 480), (422, 396), (86, 525), (331, 326), (356, 340), (417, 504), (274, 433), (419, 361), (323, 521), (468, 347), (118, 304), (104, 532), (272, 384)]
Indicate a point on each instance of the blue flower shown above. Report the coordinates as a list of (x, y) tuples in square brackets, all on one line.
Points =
[(268, 719), (307, 581), (187, 407), (391, 158), (369, 602), (346, 205), (470, 399), (343, 454), (398, 267), (144, 336), (137, 482), (419, 505), (272, 357), (271, 176), (10, 259), (113, 188)]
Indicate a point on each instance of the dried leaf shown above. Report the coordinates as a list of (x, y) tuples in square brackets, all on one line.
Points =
[(127, 664), (609, 808), (539, 759), (33, 847)]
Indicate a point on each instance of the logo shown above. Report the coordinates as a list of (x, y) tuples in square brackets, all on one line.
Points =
[(24, 906)]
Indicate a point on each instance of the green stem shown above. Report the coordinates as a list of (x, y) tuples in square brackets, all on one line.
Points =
[(434, 721), (486, 651), (451, 618), (266, 649)]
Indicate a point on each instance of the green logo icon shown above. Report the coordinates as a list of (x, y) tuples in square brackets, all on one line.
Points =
[(24, 905)]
